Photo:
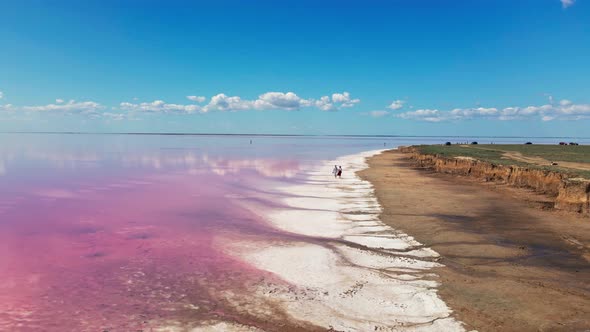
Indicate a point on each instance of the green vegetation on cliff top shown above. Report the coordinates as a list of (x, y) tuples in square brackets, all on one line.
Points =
[(573, 160)]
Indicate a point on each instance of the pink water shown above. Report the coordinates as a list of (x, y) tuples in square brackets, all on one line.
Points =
[(114, 233)]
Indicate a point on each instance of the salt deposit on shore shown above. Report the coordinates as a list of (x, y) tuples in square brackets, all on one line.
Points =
[(348, 271), (209, 327)]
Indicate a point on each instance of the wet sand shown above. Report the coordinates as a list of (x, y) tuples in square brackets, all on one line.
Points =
[(508, 264)]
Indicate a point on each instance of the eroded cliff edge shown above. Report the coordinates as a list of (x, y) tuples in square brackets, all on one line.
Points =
[(568, 193)]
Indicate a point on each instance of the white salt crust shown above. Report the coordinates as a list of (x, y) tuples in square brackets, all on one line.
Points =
[(355, 273)]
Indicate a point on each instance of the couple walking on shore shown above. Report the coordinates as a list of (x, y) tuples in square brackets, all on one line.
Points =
[(337, 171)]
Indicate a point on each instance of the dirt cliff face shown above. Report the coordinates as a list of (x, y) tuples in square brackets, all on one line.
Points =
[(571, 194), (574, 195)]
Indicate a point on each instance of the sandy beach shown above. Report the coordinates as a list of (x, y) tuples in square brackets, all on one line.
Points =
[(506, 264)]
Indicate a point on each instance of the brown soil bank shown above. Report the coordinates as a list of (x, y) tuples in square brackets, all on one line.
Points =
[(508, 265), (570, 194)]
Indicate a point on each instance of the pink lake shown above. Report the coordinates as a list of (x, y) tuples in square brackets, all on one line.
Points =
[(129, 232), (112, 232)]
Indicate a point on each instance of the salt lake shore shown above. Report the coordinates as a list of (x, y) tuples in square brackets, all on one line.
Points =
[(395, 247), (505, 264), (340, 268)]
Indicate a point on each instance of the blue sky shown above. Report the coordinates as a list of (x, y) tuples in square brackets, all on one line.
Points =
[(413, 67)]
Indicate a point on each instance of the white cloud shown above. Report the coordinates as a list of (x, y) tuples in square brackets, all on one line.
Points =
[(344, 99), (567, 3), (288, 101), (221, 102), (267, 101), (396, 104), (565, 102), (159, 106), (324, 104), (7, 108), (71, 107), (423, 115), (197, 99), (337, 102), (378, 114), (278, 100), (564, 110)]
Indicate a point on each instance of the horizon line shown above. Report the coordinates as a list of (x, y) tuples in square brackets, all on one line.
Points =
[(268, 135)]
